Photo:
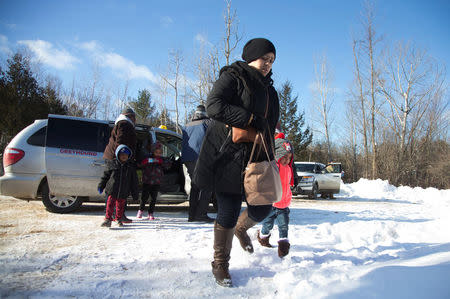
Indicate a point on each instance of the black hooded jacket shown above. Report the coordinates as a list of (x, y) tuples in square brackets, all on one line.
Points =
[(119, 179), (240, 91)]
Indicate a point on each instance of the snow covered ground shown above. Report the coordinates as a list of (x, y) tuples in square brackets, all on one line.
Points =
[(374, 241)]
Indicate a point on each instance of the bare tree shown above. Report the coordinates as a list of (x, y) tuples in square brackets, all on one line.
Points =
[(173, 78), (232, 36), (352, 139), (366, 73), (205, 75), (361, 99), (410, 85), (370, 43), (84, 97), (163, 102), (120, 99), (323, 99), (209, 62)]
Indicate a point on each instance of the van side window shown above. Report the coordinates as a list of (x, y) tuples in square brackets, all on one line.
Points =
[(103, 138), (38, 138), (77, 134)]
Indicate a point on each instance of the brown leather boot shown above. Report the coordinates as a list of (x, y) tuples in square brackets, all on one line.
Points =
[(283, 248), (223, 240), (264, 241), (243, 224)]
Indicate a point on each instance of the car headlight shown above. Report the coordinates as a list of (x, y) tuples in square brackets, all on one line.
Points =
[(307, 179)]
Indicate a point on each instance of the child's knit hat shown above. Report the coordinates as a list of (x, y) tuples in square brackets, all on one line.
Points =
[(282, 147)]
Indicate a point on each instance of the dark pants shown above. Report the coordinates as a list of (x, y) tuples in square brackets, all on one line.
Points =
[(198, 199), (149, 190), (282, 218), (229, 208), (117, 203)]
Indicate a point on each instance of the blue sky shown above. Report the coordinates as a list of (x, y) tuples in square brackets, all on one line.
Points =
[(131, 39)]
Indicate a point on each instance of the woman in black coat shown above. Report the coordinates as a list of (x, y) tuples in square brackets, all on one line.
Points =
[(239, 98)]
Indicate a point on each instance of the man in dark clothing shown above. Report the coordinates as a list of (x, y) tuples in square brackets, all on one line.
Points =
[(123, 133), (193, 134)]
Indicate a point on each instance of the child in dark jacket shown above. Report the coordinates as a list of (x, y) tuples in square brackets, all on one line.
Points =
[(280, 210), (118, 180), (153, 171)]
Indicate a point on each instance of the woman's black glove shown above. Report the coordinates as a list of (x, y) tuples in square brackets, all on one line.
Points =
[(259, 123)]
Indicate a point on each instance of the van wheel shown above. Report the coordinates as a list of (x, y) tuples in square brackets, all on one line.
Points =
[(59, 204), (313, 194)]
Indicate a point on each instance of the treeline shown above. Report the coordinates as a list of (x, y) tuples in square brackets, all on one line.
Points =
[(396, 121), (23, 99)]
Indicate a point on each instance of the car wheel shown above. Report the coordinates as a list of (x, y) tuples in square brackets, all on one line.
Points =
[(313, 194), (59, 204)]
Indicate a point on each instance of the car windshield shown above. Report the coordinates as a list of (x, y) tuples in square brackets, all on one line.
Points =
[(304, 167)]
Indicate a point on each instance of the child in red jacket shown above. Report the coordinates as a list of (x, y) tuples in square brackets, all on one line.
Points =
[(280, 210), (153, 170)]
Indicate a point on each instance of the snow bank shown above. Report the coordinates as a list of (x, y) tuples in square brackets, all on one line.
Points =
[(381, 190)]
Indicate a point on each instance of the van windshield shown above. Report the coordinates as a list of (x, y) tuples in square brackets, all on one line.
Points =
[(304, 167)]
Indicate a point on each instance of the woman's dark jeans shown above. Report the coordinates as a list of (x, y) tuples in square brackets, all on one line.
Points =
[(229, 208)]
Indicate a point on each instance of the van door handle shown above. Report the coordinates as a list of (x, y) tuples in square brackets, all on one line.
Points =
[(98, 163)]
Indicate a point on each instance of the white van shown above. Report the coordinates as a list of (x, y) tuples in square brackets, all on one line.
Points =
[(317, 178), (60, 159)]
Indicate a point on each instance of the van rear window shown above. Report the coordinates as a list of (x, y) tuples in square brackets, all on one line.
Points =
[(76, 134), (38, 138)]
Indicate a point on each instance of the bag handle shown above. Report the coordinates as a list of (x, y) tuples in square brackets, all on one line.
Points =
[(262, 135), (259, 135)]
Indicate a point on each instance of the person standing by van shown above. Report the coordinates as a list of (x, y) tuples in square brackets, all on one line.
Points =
[(118, 180), (123, 133), (153, 167), (193, 134)]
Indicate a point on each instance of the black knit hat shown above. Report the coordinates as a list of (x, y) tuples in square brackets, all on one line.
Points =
[(256, 48)]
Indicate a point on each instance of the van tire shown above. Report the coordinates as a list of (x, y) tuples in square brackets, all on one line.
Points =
[(314, 190), (60, 205)]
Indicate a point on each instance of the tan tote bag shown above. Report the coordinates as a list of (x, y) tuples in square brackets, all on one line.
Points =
[(262, 181)]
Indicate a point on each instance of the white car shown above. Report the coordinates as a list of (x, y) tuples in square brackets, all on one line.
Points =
[(316, 178), (59, 160)]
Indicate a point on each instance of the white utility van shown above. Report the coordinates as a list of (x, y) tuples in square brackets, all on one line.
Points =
[(59, 160)]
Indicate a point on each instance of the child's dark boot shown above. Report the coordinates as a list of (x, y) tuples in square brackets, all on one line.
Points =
[(283, 247)]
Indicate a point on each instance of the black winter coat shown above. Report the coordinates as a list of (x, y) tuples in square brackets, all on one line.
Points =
[(240, 91), (119, 180)]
